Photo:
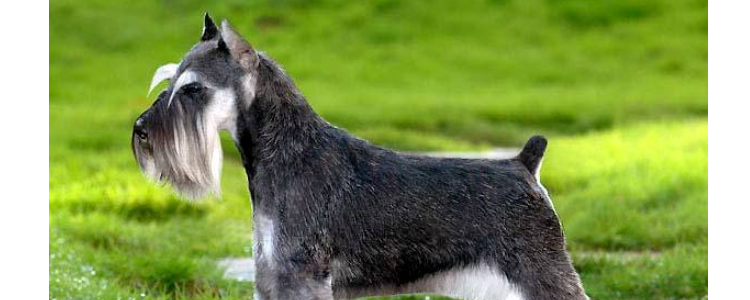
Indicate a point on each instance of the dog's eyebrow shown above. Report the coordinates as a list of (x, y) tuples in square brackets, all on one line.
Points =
[(187, 77), (164, 72)]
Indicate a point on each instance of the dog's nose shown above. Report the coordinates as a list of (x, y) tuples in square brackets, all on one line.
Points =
[(140, 130)]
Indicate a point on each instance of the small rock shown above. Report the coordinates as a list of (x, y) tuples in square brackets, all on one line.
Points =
[(240, 269)]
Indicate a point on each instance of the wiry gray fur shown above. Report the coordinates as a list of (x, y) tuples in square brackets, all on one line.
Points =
[(184, 153), (337, 217)]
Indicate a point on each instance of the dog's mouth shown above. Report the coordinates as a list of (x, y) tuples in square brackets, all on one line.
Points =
[(183, 162), (143, 154)]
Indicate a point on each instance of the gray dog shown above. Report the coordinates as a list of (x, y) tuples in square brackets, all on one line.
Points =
[(337, 217)]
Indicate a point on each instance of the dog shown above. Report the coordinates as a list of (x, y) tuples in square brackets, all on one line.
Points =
[(336, 217)]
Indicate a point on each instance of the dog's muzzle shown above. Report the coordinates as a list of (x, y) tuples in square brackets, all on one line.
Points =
[(139, 130)]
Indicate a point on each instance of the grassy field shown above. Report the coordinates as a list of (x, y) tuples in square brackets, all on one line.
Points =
[(618, 87)]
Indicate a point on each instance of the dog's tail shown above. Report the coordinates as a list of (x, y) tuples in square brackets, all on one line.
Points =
[(532, 154)]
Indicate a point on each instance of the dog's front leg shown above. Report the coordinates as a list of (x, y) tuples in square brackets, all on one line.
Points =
[(289, 279), (289, 268), (303, 286), (302, 273)]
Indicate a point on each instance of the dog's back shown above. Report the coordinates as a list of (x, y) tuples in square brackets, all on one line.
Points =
[(479, 229)]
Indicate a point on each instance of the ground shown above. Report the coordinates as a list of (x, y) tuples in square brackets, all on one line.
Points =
[(618, 87)]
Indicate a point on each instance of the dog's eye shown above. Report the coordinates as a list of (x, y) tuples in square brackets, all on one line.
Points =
[(192, 88)]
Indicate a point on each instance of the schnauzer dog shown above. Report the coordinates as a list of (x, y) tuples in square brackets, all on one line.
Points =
[(336, 217)]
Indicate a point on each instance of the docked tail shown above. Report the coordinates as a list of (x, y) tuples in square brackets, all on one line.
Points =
[(532, 154)]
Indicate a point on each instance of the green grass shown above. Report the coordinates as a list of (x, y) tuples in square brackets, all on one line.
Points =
[(619, 88), (634, 205), (654, 176)]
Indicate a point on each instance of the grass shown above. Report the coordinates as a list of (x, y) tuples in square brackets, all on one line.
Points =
[(619, 88), (634, 205)]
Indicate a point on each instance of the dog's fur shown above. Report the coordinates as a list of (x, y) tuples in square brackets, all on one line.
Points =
[(337, 217)]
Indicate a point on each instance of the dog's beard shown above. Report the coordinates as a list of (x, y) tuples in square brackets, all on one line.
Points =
[(183, 149)]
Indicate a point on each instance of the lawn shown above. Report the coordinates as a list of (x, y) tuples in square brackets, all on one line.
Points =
[(618, 87)]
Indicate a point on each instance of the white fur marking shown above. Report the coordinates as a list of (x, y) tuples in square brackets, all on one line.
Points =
[(164, 72), (546, 195), (221, 114), (249, 85), (223, 110), (539, 184), (541, 187), (538, 170), (263, 240), (477, 282), (481, 281)]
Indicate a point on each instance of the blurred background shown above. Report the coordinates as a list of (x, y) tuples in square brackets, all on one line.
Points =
[(619, 88)]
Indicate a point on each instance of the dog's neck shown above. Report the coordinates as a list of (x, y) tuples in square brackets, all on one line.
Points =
[(278, 126)]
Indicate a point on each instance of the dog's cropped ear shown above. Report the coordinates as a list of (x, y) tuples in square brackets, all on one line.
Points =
[(240, 49), (209, 28), (165, 72)]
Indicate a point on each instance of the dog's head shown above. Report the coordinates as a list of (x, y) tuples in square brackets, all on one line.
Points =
[(176, 140)]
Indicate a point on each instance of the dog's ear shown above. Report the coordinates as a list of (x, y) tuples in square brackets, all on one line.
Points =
[(240, 49), (209, 28)]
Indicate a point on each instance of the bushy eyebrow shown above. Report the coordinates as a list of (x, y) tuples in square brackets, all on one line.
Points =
[(186, 77), (165, 72)]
